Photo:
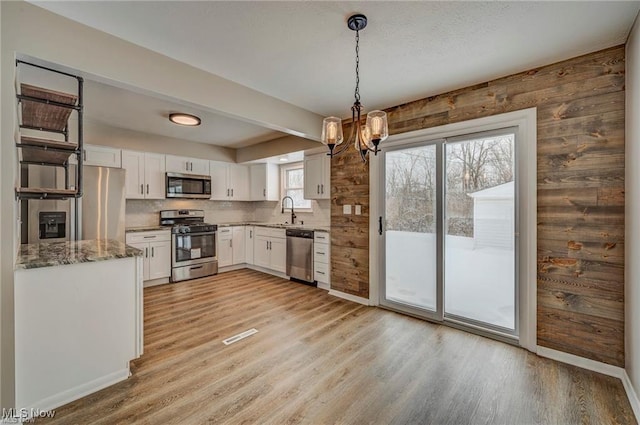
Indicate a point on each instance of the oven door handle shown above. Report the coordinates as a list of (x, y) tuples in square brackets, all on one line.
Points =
[(195, 234)]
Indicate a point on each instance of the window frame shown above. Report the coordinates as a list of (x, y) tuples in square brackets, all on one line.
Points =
[(283, 186)]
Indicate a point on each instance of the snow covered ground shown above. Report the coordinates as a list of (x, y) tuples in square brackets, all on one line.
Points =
[(479, 283)]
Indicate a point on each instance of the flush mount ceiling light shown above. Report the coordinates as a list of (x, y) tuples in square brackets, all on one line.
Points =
[(184, 119), (367, 137)]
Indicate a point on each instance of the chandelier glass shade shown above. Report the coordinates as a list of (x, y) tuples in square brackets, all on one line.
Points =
[(366, 136)]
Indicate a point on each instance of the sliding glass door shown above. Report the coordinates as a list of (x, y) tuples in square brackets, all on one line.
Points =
[(411, 238), (449, 229)]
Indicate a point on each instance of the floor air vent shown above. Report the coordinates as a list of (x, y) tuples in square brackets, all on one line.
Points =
[(240, 336)]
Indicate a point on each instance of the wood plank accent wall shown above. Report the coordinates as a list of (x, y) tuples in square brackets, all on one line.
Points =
[(580, 157)]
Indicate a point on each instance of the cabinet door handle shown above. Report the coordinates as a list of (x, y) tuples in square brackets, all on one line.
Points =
[(146, 253), (227, 192), (318, 190), (232, 193), (186, 165), (267, 245), (380, 225), (153, 252), (322, 188), (147, 188), (84, 154), (230, 243), (142, 189), (250, 234), (264, 192)]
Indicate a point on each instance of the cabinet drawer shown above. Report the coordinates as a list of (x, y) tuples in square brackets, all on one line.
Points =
[(320, 253), (270, 232), (321, 237), (225, 233), (321, 272), (158, 235)]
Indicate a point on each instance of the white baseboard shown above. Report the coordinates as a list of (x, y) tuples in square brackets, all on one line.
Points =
[(324, 286), (632, 395), (349, 297), (155, 282), (80, 391), (605, 369), (263, 270)]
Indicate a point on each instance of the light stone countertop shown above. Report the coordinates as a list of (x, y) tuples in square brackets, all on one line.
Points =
[(50, 254), (314, 227), (147, 229)]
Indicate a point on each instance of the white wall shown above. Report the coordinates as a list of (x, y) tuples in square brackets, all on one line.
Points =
[(632, 208)]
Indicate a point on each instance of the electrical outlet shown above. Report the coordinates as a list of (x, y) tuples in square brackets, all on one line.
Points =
[(346, 209), (358, 209)]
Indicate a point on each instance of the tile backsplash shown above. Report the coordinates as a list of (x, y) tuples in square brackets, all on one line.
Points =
[(143, 212)]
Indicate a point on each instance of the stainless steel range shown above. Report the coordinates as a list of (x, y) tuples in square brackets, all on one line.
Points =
[(193, 244)]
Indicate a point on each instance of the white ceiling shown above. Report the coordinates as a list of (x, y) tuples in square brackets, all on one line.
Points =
[(303, 52), (140, 112)]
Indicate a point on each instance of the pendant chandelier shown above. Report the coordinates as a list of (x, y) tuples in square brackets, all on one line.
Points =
[(367, 137)]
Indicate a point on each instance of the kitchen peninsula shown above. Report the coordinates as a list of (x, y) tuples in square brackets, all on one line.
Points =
[(78, 319)]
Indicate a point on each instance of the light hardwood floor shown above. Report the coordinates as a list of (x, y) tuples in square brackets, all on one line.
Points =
[(318, 359)]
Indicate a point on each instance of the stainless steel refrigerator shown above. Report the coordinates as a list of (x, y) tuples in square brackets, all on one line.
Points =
[(100, 212)]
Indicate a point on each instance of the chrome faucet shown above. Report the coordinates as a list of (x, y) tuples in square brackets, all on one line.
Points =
[(293, 214)]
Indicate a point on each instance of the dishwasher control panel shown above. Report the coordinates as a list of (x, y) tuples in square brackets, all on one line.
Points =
[(299, 233)]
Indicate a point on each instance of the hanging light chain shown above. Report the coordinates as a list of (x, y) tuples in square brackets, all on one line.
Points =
[(357, 91)]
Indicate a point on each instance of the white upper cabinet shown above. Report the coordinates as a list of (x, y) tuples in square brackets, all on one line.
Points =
[(145, 178), (265, 182), (317, 176), (133, 163), (229, 181), (182, 164), (101, 156), (219, 175), (154, 176), (239, 182)]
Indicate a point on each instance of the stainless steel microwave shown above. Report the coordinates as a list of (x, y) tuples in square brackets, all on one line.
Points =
[(188, 186)]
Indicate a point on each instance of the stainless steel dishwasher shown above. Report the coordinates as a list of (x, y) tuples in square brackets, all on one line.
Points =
[(300, 255)]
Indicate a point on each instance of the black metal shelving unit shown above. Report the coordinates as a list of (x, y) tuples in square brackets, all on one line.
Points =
[(48, 111)]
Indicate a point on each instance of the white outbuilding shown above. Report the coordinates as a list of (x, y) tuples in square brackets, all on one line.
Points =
[(493, 217)]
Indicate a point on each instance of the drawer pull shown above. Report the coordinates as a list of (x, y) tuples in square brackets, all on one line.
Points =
[(149, 237), (319, 253), (319, 272)]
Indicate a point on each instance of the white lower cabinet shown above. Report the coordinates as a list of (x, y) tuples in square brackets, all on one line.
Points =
[(238, 245), (249, 238), (322, 259), (231, 246), (225, 253), (270, 249), (156, 252)]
